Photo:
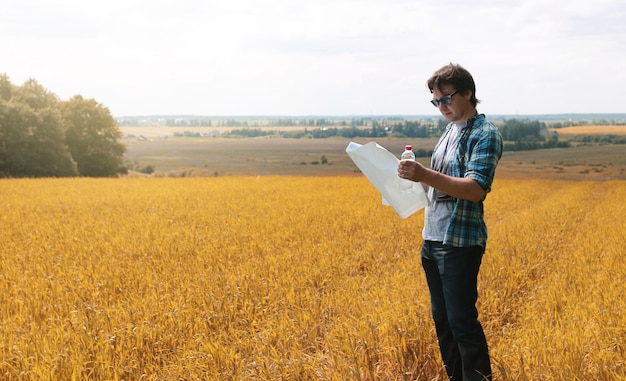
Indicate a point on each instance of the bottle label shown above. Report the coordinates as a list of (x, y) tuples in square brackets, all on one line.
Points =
[(407, 155)]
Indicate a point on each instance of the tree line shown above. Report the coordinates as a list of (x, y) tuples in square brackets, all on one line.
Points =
[(519, 134), (183, 121), (525, 135), (42, 136), (407, 128)]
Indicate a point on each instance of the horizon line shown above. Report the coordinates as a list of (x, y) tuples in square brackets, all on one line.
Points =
[(365, 116)]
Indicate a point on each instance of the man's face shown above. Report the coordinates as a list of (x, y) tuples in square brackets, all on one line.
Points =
[(460, 108)]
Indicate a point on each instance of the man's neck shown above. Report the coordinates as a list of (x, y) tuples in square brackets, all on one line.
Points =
[(469, 114)]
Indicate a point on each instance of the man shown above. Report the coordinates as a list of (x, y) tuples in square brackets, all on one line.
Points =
[(463, 165)]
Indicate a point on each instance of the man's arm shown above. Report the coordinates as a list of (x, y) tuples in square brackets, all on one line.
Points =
[(458, 187)]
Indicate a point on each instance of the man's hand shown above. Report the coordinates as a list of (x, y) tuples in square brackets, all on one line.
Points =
[(458, 187), (411, 170)]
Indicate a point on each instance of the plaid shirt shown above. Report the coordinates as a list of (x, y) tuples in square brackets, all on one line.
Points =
[(476, 157)]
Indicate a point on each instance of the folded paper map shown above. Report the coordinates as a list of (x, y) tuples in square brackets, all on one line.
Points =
[(381, 169)]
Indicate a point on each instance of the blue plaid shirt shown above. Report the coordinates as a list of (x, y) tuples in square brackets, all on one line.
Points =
[(476, 157)]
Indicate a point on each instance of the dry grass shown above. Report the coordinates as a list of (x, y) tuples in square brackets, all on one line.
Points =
[(280, 278)]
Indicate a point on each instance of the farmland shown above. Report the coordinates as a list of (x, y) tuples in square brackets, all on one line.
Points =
[(302, 157), (307, 277), (274, 259), (592, 130)]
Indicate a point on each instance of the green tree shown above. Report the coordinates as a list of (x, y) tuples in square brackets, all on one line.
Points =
[(522, 130), (92, 136), (32, 142), (6, 88)]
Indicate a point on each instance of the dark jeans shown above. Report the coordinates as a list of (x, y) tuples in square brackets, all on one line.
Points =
[(451, 273)]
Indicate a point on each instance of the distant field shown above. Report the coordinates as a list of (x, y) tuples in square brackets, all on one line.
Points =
[(588, 162), (303, 157), (255, 156), (591, 130)]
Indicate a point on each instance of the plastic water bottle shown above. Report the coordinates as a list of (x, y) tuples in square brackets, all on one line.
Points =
[(408, 153), (407, 185)]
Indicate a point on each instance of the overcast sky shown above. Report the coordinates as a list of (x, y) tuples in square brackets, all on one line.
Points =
[(318, 57)]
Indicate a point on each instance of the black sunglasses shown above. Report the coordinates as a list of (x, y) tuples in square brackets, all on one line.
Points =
[(445, 100)]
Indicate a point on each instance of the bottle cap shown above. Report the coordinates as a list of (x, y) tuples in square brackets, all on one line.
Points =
[(408, 147)]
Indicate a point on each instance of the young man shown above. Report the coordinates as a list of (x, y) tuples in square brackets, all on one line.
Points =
[(455, 235)]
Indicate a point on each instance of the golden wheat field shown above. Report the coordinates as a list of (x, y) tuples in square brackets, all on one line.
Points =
[(592, 130), (295, 278)]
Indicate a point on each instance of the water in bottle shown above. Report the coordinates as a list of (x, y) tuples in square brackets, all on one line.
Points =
[(407, 185)]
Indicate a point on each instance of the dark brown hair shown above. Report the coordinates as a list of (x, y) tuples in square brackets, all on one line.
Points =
[(457, 76)]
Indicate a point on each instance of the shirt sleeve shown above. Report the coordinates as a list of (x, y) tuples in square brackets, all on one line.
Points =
[(484, 156)]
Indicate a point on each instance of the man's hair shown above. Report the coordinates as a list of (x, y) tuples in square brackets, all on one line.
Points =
[(457, 76)]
